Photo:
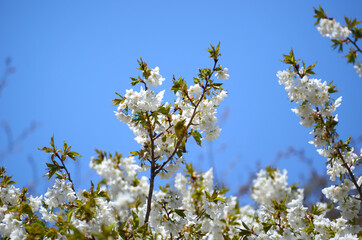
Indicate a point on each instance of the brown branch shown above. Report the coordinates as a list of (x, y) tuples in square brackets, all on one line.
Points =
[(150, 192), (66, 170), (354, 43), (188, 97), (189, 124), (351, 175), (153, 169), (160, 134)]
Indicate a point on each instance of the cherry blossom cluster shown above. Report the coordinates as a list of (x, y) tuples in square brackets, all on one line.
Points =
[(162, 129), (332, 29), (10, 225), (282, 215), (191, 108), (341, 35)]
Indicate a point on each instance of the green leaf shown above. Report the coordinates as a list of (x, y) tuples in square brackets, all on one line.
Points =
[(74, 155), (51, 173), (245, 226), (143, 67), (357, 33), (117, 101), (290, 59), (197, 136), (134, 153), (316, 210), (69, 215), (135, 81), (46, 149), (337, 44), (11, 183), (309, 69), (267, 226), (25, 208), (122, 232), (351, 23), (271, 171), (136, 220), (180, 129), (180, 212), (214, 52), (220, 199), (78, 202), (208, 197), (52, 142), (332, 88), (351, 56), (165, 110), (319, 13)]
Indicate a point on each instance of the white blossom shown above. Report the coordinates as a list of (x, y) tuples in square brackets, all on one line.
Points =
[(358, 67), (222, 74), (332, 29), (155, 79)]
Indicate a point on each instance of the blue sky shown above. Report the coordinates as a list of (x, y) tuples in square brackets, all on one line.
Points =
[(70, 58)]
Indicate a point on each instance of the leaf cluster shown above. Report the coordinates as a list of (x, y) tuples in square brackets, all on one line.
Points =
[(294, 63), (319, 14), (60, 155), (214, 51)]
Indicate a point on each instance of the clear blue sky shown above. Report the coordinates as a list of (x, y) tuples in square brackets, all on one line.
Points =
[(71, 56)]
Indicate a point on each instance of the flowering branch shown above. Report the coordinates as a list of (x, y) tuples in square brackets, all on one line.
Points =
[(341, 158), (54, 167), (340, 35), (161, 128)]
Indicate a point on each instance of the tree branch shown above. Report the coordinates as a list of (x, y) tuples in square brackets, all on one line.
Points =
[(190, 122)]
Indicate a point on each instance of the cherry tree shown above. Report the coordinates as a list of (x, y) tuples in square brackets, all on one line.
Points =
[(125, 204)]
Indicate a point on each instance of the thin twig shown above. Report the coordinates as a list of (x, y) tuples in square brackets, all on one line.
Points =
[(355, 44), (66, 170), (351, 175)]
